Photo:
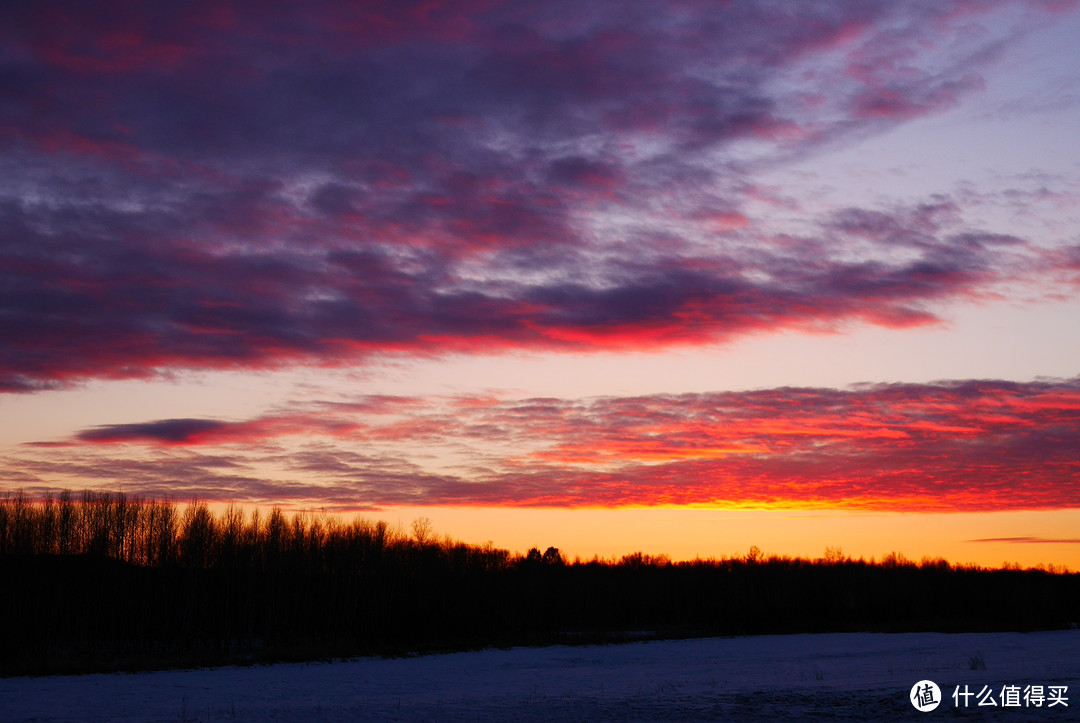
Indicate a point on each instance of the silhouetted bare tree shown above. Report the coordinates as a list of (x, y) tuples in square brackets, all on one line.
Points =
[(104, 578)]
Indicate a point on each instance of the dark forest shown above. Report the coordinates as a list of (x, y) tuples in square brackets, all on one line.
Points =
[(103, 581)]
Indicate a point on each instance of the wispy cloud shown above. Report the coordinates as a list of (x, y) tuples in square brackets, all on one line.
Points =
[(965, 445), (1030, 540), (194, 186)]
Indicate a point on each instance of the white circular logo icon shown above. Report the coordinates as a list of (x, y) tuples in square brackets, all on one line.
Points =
[(925, 695)]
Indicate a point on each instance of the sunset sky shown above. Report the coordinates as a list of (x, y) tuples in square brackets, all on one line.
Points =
[(678, 277)]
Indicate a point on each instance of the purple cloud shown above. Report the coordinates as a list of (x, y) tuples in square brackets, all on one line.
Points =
[(204, 187), (166, 431)]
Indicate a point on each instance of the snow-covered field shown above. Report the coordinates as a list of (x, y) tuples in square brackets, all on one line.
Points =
[(837, 676)]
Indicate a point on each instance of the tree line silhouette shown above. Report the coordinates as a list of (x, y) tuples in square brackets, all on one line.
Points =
[(105, 581)]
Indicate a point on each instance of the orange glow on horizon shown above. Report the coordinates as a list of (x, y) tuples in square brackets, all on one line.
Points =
[(689, 532)]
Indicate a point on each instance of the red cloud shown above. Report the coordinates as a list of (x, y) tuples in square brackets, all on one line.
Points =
[(976, 445)]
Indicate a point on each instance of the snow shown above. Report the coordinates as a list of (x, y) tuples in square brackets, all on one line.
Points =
[(851, 676)]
